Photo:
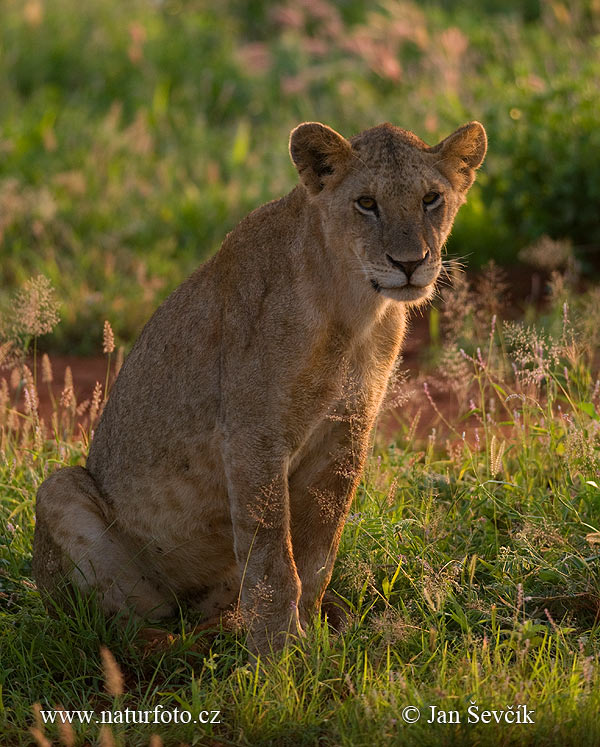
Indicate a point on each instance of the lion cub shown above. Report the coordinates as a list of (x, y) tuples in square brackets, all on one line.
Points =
[(225, 461)]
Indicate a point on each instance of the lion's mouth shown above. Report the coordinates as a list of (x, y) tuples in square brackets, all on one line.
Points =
[(407, 293), (379, 288)]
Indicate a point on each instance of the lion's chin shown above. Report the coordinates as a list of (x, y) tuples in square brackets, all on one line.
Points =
[(412, 294)]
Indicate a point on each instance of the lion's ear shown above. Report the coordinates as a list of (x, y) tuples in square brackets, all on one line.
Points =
[(458, 155), (319, 153)]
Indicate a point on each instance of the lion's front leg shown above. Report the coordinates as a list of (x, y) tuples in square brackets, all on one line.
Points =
[(260, 513), (321, 491)]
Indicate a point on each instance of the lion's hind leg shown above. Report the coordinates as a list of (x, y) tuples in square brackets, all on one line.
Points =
[(76, 547)]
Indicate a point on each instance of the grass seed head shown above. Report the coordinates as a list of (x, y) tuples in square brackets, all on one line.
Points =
[(106, 737), (67, 734), (119, 360), (47, 376), (108, 338), (113, 677), (35, 308), (96, 401), (37, 731)]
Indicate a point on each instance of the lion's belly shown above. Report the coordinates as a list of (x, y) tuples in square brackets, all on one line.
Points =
[(173, 506), (183, 530)]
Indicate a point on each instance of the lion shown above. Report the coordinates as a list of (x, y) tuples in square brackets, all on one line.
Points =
[(224, 464)]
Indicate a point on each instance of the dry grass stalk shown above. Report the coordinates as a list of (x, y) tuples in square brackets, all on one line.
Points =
[(106, 737), (119, 360), (4, 399), (66, 731), (37, 731), (548, 254), (496, 454), (47, 376), (82, 407), (96, 401), (6, 349), (108, 339), (15, 378), (67, 398), (113, 677), (35, 308)]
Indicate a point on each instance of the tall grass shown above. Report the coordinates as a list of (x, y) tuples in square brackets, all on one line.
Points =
[(469, 565)]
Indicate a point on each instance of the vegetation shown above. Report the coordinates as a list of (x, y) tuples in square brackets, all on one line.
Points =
[(469, 563), (134, 135)]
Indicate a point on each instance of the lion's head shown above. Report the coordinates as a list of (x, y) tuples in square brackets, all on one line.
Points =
[(388, 199)]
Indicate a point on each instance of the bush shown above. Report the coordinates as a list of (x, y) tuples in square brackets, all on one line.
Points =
[(133, 137)]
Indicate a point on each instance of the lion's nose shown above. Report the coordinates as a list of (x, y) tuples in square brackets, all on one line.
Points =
[(407, 267)]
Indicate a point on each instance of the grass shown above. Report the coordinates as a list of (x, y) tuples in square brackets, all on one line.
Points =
[(469, 563), (133, 136)]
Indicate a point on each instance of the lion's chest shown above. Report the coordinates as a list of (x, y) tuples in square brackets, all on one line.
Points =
[(340, 383)]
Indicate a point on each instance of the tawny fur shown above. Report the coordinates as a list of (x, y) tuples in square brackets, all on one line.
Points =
[(225, 461)]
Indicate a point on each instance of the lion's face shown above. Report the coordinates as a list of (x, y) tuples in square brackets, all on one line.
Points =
[(388, 200)]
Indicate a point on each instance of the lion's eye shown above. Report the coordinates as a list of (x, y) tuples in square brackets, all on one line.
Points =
[(367, 203), (431, 198)]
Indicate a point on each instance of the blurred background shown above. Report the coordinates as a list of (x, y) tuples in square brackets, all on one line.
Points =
[(134, 135)]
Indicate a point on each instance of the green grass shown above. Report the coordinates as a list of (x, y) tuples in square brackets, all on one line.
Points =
[(134, 135), (470, 565)]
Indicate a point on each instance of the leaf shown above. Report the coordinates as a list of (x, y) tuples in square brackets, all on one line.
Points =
[(434, 326), (386, 586), (241, 144), (589, 409), (499, 389)]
